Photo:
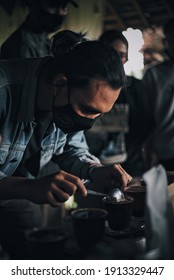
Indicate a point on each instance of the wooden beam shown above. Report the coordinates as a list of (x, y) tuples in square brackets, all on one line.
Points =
[(160, 18), (169, 8), (140, 12), (114, 15)]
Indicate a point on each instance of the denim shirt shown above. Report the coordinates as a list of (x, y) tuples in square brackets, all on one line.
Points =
[(18, 84)]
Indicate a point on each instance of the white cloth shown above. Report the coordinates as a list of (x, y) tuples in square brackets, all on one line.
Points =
[(159, 214)]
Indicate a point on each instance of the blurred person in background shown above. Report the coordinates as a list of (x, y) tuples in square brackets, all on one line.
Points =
[(158, 105), (153, 49), (31, 39), (151, 56)]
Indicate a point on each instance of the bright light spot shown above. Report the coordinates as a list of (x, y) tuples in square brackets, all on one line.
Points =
[(134, 66)]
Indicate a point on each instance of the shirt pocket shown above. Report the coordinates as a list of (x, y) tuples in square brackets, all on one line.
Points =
[(9, 154), (4, 151), (53, 144)]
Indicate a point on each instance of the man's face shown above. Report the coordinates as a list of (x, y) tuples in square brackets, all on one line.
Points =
[(50, 15), (121, 48), (96, 99), (76, 109), (148, 56), (55, 7)]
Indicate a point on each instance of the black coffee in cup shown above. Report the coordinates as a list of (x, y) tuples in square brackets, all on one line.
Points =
[(119, 213)]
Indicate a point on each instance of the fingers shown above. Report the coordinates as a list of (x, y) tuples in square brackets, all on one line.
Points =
[(128, 176), (63, 185), (52, 200), (70, 183), (76, 182), (125, 177), (107, 175)]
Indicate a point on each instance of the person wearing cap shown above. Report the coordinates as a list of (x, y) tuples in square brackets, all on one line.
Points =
[(31, 39)]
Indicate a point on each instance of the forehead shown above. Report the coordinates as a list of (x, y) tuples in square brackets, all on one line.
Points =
[(97, 89), (55, 3), (98, 94), (119, 46)]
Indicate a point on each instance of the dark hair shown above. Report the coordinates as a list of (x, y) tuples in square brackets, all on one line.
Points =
[(66, 40), (169, 28), (90, 60), (110, 36), (169, 38), (32, 4)]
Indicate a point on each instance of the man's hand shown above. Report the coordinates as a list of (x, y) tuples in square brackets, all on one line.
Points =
[(58, 187), (110, 175), (55, 188)]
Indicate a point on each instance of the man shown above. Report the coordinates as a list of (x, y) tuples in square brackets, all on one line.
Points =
[(158, 106), (45, 106), (31, 39), (118, 41), (131, 95), (151, 56)]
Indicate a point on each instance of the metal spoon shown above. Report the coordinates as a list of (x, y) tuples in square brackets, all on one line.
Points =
[(115, 195), (96, 193)]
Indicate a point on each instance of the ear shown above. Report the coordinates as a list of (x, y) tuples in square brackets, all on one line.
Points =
[(59, 81)]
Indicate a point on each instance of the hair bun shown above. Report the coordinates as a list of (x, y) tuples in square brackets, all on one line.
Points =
[(64, 41)]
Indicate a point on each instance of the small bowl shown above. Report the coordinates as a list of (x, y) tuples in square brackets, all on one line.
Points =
[(47, 243)]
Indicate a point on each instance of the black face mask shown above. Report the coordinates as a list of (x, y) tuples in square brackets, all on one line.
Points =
[(69, 121), (49, 22)]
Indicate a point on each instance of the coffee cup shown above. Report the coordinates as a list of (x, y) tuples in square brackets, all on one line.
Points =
[(139, 195), (89, 225), (119, 213)]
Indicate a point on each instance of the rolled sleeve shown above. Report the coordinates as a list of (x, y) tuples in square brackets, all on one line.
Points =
[(2, 175), (76, 155)]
